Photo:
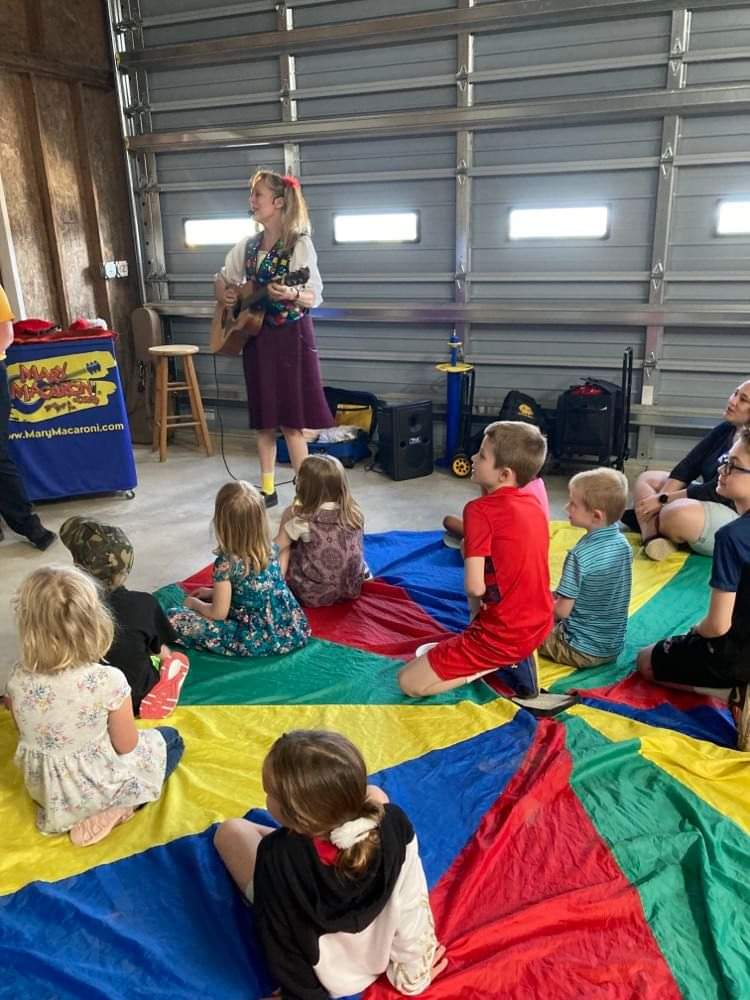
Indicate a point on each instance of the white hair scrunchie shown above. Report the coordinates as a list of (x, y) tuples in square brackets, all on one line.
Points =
[(349, 834)]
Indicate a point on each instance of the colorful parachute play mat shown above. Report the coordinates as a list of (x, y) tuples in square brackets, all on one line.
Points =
[(600, 854)]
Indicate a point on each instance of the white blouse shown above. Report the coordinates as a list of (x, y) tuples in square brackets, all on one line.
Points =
[(303, 255), (299, 527)]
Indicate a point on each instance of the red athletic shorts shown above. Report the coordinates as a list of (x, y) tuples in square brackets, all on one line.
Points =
[(470, 653)]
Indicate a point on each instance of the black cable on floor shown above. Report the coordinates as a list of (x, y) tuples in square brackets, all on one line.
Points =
[(221, 422), (286, 482)]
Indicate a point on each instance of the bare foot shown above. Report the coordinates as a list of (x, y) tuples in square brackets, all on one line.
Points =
[(95, 828)]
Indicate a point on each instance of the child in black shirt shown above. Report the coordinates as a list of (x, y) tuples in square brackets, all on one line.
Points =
[(715, 653), (142, 630)]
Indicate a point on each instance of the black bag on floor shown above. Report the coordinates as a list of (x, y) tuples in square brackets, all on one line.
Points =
[(516, 406), (520, 406)]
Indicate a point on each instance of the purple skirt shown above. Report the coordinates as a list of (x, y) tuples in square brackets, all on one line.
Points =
[(282, 375)]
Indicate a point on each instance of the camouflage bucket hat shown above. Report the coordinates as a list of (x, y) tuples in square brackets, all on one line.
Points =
[(102, 550)]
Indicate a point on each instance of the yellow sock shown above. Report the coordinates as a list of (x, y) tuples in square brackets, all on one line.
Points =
[(266, 482)]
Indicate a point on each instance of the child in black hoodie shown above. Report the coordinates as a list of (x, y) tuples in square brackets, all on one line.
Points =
[(339, 890)]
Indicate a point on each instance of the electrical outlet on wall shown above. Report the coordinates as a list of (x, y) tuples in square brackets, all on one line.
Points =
[(114, 269)]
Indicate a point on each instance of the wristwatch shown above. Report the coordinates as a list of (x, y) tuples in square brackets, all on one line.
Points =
[(663, 498)]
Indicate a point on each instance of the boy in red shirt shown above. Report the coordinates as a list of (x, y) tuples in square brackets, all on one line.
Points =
[(506, 567)]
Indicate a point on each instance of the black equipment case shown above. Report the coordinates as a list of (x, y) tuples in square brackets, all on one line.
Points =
[(593, 418)]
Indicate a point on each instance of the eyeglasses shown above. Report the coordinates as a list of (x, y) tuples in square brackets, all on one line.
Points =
[(728, 465)]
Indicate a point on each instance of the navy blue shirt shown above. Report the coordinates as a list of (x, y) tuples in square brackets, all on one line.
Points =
[(731, 573), (702, 462)]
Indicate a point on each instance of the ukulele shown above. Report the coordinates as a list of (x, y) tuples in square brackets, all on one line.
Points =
[(233, 326)]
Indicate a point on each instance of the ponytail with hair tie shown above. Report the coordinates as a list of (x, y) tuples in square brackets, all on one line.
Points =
[(290, 182), (352, 832)]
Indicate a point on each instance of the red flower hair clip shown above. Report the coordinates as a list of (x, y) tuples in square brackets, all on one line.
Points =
[(290, 182)]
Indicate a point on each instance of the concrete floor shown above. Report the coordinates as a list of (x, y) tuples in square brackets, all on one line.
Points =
[(168, 521)]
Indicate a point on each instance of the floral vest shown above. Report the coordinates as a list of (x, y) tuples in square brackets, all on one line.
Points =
[(273, 267)]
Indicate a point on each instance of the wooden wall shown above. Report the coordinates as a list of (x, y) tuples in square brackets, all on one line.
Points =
[(61, 163)]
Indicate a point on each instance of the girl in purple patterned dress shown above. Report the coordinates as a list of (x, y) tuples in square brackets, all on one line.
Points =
[(249, 611), (320, 538)]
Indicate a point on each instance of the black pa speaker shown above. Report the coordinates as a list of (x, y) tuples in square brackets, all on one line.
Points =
[(405, 432)]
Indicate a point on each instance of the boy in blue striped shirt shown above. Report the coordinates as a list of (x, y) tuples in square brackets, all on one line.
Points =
[(592, 597)]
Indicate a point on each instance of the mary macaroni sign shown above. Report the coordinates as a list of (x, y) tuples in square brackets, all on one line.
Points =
[(68, 429)]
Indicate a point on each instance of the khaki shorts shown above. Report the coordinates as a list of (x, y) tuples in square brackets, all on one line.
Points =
[(715, 516), (556, 647)]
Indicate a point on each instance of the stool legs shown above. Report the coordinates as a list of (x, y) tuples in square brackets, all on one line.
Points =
[(196, 407), (162, 423), (161, 408), (157, 405)]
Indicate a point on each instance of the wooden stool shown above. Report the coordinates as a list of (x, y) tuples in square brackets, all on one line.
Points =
[(162, 387)]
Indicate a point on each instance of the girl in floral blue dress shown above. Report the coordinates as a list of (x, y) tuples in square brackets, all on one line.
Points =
[(249, 611)]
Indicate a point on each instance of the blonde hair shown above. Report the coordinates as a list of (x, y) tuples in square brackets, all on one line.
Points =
[(319, 780), (602, 489), (62, 621), (241, 525), (322, 479), (517, 446), (295, 219)]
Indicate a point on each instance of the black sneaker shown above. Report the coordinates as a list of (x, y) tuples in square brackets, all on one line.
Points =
[(43, 539), (271, 499)]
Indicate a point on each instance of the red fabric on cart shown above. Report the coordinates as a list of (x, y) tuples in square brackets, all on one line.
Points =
[(23, 335)]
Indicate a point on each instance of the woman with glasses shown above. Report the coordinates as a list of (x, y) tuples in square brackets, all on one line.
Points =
[(715, 653), (684, 506)]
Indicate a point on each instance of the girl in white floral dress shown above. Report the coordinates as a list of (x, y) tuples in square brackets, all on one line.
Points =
[(83, 760)]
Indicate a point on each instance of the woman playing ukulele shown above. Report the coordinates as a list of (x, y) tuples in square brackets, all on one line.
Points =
[(282, 371)]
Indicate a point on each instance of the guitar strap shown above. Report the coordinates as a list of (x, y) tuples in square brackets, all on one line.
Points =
[(274, 266)]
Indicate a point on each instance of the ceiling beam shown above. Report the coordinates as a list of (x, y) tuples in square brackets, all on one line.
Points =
[(635, 106), (404, 28)]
